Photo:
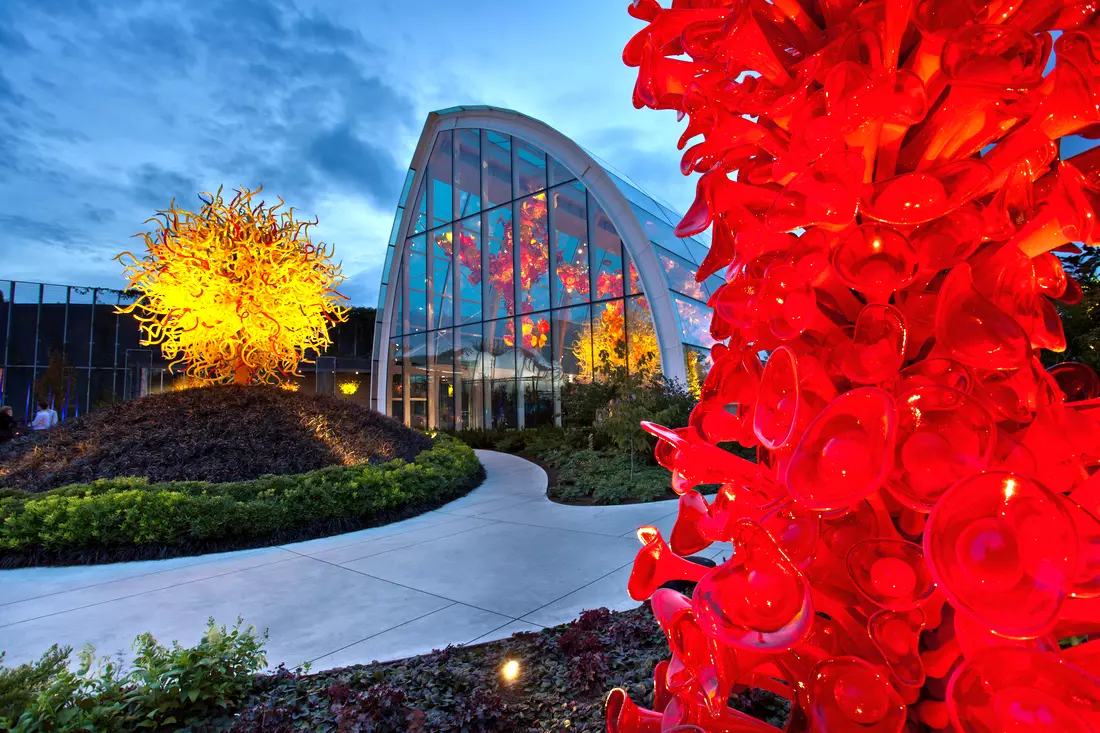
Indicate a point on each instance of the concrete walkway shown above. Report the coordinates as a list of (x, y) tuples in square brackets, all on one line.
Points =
[(500, 560)]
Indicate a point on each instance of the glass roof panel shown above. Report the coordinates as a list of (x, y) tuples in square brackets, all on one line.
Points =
[(697, 249), (694, 321), (672, 216), (680, 274), (635, 196), (406, 188), (660, 232)]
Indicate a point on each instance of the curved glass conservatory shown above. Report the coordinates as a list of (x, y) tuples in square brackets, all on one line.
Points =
[(517, 264)]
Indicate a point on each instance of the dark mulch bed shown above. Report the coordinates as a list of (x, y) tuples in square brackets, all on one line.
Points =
[(210, 434), (565, 675), (99, 556)]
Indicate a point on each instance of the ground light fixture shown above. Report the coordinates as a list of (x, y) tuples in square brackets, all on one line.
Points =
[(510, 671)]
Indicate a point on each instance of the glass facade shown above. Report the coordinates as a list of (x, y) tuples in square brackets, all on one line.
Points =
[(379, 354), (515, 282), (679, 259), (512, 290)]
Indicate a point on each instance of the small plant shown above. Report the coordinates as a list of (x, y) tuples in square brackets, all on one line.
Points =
[(613, 406), (19, 686), (480, 711), (379, 709), (588, 671), (165, 689), (576, 642), (593, 619)]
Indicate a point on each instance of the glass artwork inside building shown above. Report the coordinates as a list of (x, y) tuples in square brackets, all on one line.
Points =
[(514, 282)]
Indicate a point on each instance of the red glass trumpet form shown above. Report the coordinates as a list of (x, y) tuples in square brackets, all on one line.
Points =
[(918, 538)]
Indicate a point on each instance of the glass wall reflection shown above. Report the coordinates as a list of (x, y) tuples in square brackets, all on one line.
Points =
[(508, 320)]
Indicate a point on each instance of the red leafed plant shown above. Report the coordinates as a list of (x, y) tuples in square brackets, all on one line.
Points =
[(886, 197)]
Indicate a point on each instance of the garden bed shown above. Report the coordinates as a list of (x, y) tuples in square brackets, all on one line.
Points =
[(576, 474), (134, 519), (216, 434), (564, 675), (601, 478)]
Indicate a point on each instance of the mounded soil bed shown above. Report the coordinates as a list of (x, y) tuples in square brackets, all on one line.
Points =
[(565, 674), (215, 434)]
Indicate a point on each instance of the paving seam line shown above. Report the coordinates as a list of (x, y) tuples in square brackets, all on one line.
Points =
[(396, 626), (153, 590), (409, 587)]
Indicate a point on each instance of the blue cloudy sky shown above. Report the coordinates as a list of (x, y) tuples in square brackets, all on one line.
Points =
[(110, 108)]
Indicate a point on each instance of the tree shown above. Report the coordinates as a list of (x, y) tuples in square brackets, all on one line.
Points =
[(236, 293), (1079, 320), (53, 383)]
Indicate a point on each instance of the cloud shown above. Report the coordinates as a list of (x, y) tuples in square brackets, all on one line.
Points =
[(346, 157), (362, 288), (97, 214), (12, 40), (154, 187), (9, 97), (16, 226), (651, 164), (109, 110)]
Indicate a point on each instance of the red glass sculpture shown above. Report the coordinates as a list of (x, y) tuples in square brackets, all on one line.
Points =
[(886, 199)]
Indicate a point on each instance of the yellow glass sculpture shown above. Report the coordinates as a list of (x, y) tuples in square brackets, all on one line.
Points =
[(236, 293)]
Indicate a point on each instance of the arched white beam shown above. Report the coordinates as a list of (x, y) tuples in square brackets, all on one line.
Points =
[(595, 179)]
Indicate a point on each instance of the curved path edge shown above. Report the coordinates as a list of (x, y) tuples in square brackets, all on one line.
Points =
[(502, 559)]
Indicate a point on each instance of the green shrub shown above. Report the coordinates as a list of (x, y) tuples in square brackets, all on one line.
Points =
[(19, 686), (547, 441), (117, 513), (479, 438), (603, 478), (165, 689), (601, 455), (611, 409), (532, 441), (581, 403)]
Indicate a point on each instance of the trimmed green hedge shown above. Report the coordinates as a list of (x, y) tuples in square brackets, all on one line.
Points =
[(196, 516)]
